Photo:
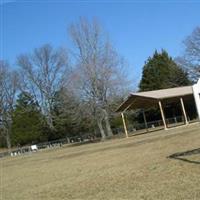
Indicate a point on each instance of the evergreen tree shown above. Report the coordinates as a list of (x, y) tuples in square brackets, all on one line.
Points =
[(61, 116), (160, 72), (27, 124), (69, 119)]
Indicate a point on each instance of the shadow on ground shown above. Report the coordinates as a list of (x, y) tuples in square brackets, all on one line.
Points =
[(181, 156)]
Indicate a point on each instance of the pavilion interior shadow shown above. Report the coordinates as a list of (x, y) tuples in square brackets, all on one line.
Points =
[(183, 156)]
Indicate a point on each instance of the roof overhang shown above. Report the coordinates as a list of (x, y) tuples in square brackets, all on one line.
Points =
[(149, 99)]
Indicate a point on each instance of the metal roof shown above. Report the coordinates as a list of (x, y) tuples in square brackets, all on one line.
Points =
[(149, 98)]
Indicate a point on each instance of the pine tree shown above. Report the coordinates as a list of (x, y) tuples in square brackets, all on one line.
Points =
[(69, 119), (27, 121), (160, 72)]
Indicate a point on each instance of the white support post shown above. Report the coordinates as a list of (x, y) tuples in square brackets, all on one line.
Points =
[(124, 123), (196, 93), (162, 115), (183, 109)]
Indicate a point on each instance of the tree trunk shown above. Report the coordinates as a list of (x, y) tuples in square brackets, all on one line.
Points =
[(50, 122), (8, 141), (108, 128), (99, 123)]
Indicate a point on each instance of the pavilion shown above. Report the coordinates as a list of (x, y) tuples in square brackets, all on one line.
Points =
[(160, 98)]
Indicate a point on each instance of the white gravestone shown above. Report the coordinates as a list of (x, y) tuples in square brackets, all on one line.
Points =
[(34, 147)]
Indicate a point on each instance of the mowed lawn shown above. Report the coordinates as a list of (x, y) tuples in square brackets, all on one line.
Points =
[(133, 168)]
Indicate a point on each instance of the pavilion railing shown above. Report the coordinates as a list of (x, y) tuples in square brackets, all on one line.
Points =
[(171, 122)]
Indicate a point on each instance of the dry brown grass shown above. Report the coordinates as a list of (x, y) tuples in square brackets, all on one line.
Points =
[(133, 168)]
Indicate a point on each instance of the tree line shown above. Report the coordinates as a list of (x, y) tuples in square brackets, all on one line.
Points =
[(57, 93)]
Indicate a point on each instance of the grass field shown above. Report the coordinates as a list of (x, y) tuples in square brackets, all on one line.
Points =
[(134, 168)]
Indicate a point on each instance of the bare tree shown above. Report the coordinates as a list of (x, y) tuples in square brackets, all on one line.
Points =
[(8, 88), (98, 70), (43, 73), (191, 58)]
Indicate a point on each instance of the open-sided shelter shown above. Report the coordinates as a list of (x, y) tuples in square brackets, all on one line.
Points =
[(145, 100)]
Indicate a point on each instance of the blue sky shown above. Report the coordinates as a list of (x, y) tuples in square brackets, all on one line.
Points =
[(136, 28)]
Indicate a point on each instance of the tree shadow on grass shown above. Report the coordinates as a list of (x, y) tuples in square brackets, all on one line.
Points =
[(180, 156)]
